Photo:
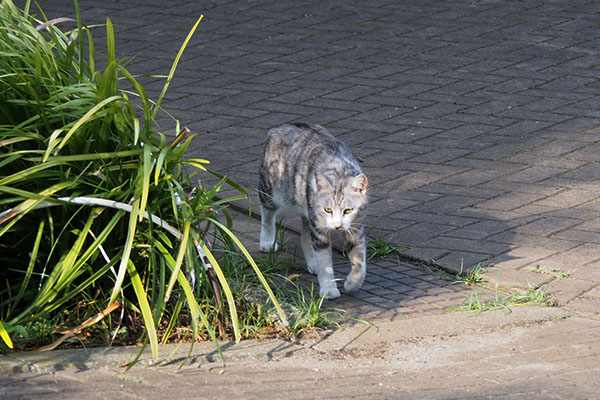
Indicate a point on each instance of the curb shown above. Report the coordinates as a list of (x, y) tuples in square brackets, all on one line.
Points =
[(358, 337)]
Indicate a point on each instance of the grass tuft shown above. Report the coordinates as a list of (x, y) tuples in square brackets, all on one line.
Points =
[(481, 300), (556, 272), (99, 204), (383, 247), (472, 277)]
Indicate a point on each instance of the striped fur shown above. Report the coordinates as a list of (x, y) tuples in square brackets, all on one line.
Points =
[(309, 172)]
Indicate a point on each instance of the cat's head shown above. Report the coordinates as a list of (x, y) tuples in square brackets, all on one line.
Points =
[(340, 204)]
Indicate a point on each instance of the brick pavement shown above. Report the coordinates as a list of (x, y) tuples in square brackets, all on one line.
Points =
[(476, 122)]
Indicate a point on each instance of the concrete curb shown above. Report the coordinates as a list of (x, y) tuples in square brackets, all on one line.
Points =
[(171, 355), (357, 337)]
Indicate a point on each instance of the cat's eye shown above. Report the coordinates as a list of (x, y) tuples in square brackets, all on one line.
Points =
[(328, 210), (348, 211)]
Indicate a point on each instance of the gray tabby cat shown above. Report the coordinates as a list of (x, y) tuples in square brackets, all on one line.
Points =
[(308, 171)]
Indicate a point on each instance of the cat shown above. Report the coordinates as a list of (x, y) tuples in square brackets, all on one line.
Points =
[(311, 173)]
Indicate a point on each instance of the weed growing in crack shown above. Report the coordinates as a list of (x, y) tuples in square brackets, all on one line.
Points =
[(383, 247), (532, 295), (556, 272), (443, 275), (478, 301), (472, 277)]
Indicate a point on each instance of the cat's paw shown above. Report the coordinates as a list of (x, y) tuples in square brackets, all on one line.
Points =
[(353, 282), (329, 292), (311, 268), (268, 247)]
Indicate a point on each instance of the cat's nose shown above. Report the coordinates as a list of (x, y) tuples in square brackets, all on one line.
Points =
[(338, 227)]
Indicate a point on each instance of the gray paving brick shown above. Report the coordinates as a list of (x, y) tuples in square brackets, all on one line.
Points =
[(468, 246), (440, 155), (533, 241), (510, 201), (588, 172), (479, 230), (498, 168), (546, 226), (467, 116), (443, 188), (534, 174), (473, 177), (569, 198), (579, 235), (270, 106)]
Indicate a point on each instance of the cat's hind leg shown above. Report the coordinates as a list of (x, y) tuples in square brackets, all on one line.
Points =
[(355, 246), (307, 247), (268, 229)]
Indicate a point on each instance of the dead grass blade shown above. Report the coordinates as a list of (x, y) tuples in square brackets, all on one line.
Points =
[(89, 322)]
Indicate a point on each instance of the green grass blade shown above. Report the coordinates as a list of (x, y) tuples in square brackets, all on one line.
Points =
[(228, 294), (86, 118), (110, 43), (126, 251), (251, 261), (90, 157), (172, 320), (183, 245), (5, 336), (67, 270), (32, 260), (143, 97), (27, 173), (231, 183), (174, 66), (159, 164), (193, 305), (140, 293), (27, 195), (52, 143), (31, 203), (195, 164), (14, 140), (80, 61), (10, 159), (91, 53), (136, 131), (147, 166)]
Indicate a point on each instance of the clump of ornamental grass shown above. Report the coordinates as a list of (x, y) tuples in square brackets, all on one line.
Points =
[(102, 219)]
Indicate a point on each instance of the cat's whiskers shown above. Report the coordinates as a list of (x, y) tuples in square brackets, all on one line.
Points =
[(353, 232)]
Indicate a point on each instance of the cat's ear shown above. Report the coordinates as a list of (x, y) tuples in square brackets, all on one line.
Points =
[(359, 183), (322, 182)]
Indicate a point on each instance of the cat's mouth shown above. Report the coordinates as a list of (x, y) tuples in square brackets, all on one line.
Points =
[(337, 228)]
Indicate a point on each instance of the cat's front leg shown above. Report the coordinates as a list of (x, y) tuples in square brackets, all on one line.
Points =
[(355, 245), (316, 246), (327, 286)]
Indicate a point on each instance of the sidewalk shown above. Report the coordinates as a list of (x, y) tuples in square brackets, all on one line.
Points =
[(533, 353), (477, 124)]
